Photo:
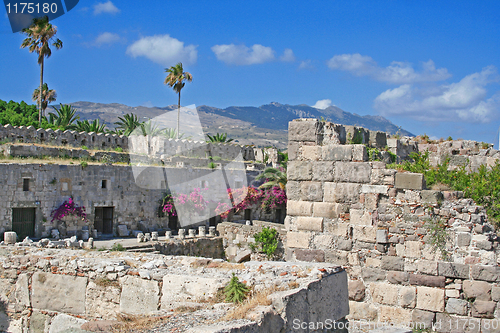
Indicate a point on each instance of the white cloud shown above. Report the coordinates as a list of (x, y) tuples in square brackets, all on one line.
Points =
[(243, 55), (306, 64), (164, 50), (288, 56), (397, 72), (465, 100), (106, 38), (105, 7), (323, 104)]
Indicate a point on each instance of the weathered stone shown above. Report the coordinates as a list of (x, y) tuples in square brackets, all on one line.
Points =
[(456, 306), (102, 301), (299, 208), (304, 130), (394, 315), (356, 290), (323, 241), (382, 236), (430, 299), (430, 196), (326, 209), (495, 293), (123, 230), (337, 153), (391, 263), (453, 270), (379, 189), (352, 172), (322, 171), (408, 297), (373, 274), (341, 192), (298, 239), (384, 293), (397, 277), (483, 309), (60, 293), (65, 323), (427, 267), (446, 323), (362, 311), (299, 170), (311, 191), (410, 181), (310, 223), (365, 233), (242, 256), (479, 290), (312, 153), (359, 153), (360, 217), (336, 257), (484, 245), (139, 296), (463, 239), (427, 280), (293, 190), (413, 249), (310, 255), (485, 273), (346, 245), (423, 319), (382, 177)]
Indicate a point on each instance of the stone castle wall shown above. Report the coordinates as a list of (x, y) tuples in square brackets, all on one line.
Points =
[(384, 227)]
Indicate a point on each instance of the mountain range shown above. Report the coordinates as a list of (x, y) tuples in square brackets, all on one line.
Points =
[(265, 125)]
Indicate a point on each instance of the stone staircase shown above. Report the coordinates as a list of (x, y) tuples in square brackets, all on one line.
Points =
[(142, 248)]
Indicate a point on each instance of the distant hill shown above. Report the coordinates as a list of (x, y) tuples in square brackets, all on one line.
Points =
[(266, 125)]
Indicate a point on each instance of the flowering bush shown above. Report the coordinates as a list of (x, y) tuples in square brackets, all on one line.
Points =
[(68, 208), (193, 202), (273, 198), (167, 205)]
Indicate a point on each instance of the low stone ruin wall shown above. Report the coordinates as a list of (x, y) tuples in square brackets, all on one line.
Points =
[(56, 290), (412, 255), (195, 247), (238, 237)]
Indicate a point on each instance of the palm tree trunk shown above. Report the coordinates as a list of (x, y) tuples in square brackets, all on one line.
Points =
[(40, 95), (178, 113)]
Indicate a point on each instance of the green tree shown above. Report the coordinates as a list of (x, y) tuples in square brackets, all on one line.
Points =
[(48, 95), (273, 177), (64, 117), (149, 128), (127, 124), (175, 79), (40, 36), (219, 138), (87, 126)]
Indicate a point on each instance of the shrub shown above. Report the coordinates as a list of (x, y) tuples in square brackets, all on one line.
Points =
[(267, 241), (119, 149), (84, 164), (117, 247), (236, 291), (85, 147)]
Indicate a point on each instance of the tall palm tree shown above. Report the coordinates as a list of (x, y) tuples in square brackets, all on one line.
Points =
[(127, 124), (40, 36), (87, 126), (175, 79), (273, 177), (219, 138), (47, 95), (65, 116)]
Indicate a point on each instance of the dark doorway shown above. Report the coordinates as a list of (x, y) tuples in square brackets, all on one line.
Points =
[(23, 222), (248, 214), (213, 221), (277, 218), (172, 222), (103, 220)]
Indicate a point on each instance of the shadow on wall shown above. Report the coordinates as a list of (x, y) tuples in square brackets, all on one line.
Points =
[(4, 318)]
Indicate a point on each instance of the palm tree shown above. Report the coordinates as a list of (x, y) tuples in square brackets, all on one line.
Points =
[(149, 128), (219, 138), (87, 126), (274, 177), (127, 124), (40, 36), (175, 79), (48, 95), (65, 117)]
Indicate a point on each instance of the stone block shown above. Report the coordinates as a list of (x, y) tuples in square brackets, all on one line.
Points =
[(323, 171), (423, 319), (299, 170), (483, 309), (428, 267), (311, 191), (352, 172), (391, 263), (139, 296), (293, 150), (479, 290), (430, 299), (60, 293), (379, 189), (326, 209), (463, 238), (310, 223), (310, 255), (242, 256), (337, 153), (341, 192), (360, 217), (323, 241), (452, 293), (373, 274), (340, 229), (382, 236), (446, 323), (293, 190), (299, 208), (413, 249), (430, 196), (397, 277), (456, 306), (346, 245), (408, 296), (365, 233), (394, 315), (409, 181), (102, 301), (485, 273), (311, 153), (304, 130), (298, 239), (378, 139), (179, 288), (356, 290), (453, 270), (384, 293), (359, 153), (65, 323), (336, 257), (362, 311), (427, 280), (495, 293), (382, 177)]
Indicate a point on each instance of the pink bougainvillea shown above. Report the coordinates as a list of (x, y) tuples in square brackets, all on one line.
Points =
[(67, 208), (193, 202)]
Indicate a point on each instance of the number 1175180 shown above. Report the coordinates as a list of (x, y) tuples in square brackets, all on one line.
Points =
[(31, 8)]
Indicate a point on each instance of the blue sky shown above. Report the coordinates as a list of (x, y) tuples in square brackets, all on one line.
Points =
[(428, 66)]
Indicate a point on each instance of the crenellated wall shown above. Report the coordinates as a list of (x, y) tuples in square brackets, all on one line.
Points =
[(411, 254)]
